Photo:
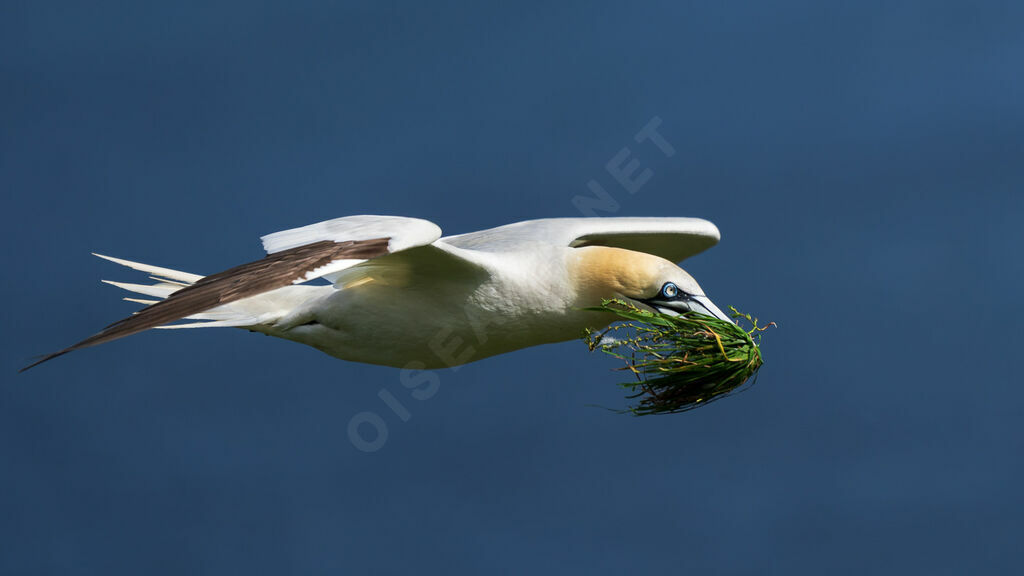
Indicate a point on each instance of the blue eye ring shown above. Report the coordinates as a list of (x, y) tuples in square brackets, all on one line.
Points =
[(669, 290)]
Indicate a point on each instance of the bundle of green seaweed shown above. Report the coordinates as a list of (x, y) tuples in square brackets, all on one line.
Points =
[(680, 362)]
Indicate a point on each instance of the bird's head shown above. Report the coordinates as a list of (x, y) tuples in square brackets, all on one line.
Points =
[(645, 279)]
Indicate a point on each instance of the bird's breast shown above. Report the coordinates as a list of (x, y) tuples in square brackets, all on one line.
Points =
[(443, 322)]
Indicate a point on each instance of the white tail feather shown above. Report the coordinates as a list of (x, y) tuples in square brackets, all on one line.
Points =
[(236, 323), (140, 301), (154, 270), (161, 290), (261, 309), (166, 281)]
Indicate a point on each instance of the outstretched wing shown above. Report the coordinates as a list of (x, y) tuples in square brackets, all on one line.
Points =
[(294, 256), (674, 239)]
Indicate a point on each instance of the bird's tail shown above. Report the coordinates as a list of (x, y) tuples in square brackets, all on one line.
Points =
[(252, 311), (261, 312)]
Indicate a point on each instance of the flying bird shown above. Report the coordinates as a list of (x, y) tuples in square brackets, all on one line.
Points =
[(399, 294)]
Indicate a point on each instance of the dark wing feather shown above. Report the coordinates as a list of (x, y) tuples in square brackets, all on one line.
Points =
[(274, 271)]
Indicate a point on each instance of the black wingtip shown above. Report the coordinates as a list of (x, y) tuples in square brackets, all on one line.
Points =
[(45, 358)]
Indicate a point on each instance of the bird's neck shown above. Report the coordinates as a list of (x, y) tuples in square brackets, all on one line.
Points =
[(600, 272)]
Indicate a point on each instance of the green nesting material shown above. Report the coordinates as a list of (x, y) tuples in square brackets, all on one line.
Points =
[(680, 362)]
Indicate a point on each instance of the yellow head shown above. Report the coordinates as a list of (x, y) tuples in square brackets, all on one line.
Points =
[(600, 272)]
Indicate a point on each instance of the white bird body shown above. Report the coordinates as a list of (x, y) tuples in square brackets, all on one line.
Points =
[(520, 299), (400, 295)]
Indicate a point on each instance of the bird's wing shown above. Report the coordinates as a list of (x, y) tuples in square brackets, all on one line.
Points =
[(674, 239), (401, 234), (293, 256)]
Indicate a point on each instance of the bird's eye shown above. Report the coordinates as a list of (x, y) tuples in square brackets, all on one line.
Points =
[(669, 290)]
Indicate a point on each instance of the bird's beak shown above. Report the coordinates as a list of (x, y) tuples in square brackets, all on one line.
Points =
[(698, 304)]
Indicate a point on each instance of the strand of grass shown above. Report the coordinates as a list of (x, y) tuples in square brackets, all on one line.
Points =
[(679, 362)]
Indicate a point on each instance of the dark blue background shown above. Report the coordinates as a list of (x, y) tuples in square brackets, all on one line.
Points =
[(864, 162)]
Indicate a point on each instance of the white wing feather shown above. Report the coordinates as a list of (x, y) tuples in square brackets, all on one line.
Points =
[(404, 232), (674, 239)]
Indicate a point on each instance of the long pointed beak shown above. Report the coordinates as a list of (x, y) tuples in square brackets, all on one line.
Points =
[(698, 304), (704, 302)]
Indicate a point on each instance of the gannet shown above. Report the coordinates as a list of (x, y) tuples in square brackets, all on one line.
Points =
[(399, 294)]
